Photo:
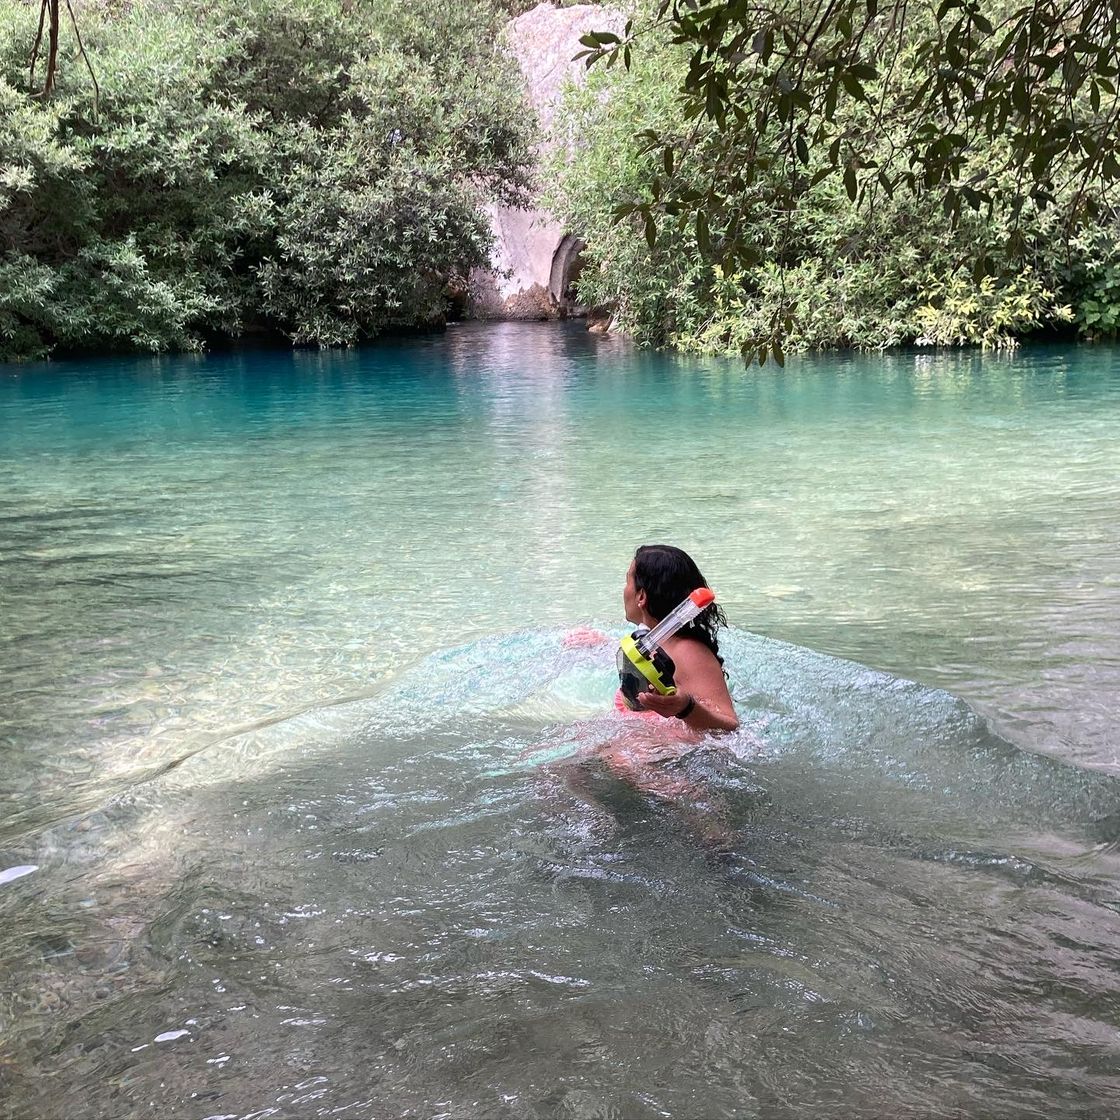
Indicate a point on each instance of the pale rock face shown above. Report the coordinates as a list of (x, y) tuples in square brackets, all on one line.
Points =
[(533, 253)]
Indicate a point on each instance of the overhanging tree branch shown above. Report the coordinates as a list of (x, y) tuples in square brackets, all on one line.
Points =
[(1034, 84)]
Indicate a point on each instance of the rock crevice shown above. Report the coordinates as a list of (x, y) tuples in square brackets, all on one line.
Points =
[(535, 260)]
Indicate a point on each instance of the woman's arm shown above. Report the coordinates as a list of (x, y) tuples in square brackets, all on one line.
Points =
[(700, 681)]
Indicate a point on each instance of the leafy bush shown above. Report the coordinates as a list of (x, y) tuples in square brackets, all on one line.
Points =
[(314, 167), (1009, 107), (1091, 276), (987, 314), (822, 274)]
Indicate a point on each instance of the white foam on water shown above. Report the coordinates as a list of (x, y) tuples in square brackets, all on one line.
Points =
[(12, 873), (170, 1036)]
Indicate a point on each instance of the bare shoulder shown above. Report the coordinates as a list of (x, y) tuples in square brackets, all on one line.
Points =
[(688, 653), (700, 674)]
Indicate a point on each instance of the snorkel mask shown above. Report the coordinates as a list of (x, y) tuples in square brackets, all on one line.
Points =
[(643, 666)]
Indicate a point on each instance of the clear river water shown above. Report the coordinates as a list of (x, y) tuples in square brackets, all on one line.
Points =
[(301, 812)]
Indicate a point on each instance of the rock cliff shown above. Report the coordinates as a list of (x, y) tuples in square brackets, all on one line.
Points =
[(534, 258)]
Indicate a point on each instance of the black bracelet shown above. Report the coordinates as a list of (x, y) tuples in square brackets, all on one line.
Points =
[(686, 711)]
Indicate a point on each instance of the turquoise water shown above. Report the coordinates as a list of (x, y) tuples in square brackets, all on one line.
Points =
[(294, 745)]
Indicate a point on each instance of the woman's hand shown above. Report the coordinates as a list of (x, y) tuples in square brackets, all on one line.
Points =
[(584, 636), (667, 706)]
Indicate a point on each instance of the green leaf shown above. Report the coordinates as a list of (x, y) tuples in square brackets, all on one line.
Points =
[(831, 98), (767, 45), (983, 266), (703, 237)]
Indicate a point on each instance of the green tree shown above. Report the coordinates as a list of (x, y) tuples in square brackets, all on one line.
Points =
[(778, 98), (822, 273), (314, 167)]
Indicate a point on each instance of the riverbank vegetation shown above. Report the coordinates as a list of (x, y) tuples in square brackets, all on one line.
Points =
[(747, 178), (785, 186), (307, 167)]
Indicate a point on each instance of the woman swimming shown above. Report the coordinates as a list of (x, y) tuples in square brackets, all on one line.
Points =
[(649, 754), (658, 578)]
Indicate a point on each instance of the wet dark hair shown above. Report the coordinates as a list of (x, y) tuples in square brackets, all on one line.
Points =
[(667, 574)]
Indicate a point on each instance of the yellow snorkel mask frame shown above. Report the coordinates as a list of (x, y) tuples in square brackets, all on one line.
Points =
[(643, 666), (639, 673)]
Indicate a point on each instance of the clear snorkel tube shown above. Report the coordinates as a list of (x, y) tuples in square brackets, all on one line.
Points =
[(681, 615), (642, 665)]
